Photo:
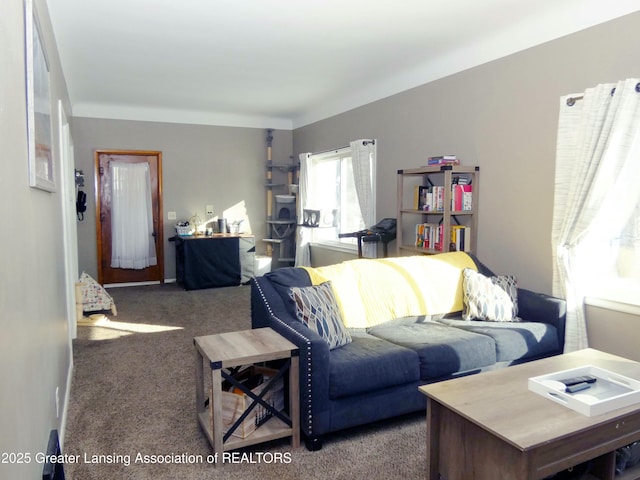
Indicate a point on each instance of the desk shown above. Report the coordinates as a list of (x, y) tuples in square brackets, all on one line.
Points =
[(219, 260)]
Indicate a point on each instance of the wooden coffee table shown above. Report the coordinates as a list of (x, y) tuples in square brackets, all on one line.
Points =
[(491, 426)]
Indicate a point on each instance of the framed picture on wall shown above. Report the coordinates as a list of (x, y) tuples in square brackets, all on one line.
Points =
[(39, 137)]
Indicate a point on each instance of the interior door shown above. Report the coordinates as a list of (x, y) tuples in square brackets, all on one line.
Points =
[(107, 274)]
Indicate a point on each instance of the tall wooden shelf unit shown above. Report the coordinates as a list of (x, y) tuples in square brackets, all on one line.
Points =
[(409, 216)]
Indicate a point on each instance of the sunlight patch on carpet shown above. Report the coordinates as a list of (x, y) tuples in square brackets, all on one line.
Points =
[(101, 328)]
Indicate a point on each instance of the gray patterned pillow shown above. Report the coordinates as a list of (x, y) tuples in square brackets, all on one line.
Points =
[(489, 298), (317, 308)]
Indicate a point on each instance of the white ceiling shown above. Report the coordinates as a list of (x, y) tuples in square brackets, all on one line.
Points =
[(287, 63)]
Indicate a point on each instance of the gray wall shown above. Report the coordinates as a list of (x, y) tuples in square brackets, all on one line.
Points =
[(321, 256), (501, 116), (35, 350), (201, 165), (615, 332)]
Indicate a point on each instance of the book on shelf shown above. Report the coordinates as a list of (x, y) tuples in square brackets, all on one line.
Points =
[(419, 197), (461, 180), (428, 198), (429, 236), (461, 197), (443, 160), (460, 238), (431, 198)]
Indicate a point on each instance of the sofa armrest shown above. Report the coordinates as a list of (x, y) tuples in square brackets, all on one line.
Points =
[(268, 310), (539, 307)]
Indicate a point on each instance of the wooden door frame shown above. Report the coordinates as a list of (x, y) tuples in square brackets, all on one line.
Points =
[(159, 233)]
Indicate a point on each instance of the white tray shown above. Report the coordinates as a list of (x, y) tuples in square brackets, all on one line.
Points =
[(610, 391)]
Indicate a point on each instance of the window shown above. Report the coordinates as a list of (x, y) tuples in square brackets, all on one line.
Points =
[(332, 191), (596, 227), (616, 256)]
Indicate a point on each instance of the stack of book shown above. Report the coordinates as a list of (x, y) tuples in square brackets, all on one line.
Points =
[(428, 198), (443, 160), (429, 236), (431, 198)]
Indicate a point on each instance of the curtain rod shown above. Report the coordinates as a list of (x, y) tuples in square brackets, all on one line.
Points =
[(571, 101), (364, 142)]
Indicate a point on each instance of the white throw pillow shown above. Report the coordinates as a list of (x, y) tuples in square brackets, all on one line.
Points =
[(489, 298)]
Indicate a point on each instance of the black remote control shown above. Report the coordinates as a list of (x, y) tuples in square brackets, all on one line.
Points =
[(577, 387), (576, 380)]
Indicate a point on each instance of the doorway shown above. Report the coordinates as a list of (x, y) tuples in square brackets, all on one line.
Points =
[(69, 214), (109, 272)]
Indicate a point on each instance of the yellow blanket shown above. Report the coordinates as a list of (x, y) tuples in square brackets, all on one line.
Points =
[(373, 291)]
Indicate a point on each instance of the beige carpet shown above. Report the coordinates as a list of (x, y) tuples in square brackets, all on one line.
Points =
[(133, 399)]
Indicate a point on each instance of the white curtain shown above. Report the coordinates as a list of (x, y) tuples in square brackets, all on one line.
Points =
[(132, 243), (596, 191), (303, 235), (363, 159)]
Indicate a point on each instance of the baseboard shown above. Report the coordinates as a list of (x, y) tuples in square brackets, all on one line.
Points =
[(62, 428), (130, 284), (138, 284)]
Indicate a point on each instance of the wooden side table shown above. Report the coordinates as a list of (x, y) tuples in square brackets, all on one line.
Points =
[(228, 350)]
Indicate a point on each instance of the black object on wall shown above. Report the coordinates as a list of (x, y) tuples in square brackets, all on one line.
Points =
[(53, 470)]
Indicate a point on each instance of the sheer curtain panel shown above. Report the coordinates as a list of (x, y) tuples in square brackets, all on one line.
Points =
[(596, 191), (303, 235), (133, 244), (363, 159)]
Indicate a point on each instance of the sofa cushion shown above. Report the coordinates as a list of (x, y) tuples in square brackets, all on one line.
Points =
[(369, 364), (492, 298), (442, 350), (282, 279), (514, 341), (316, 307)]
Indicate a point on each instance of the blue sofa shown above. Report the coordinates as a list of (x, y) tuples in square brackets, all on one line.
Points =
[(377, 374)]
